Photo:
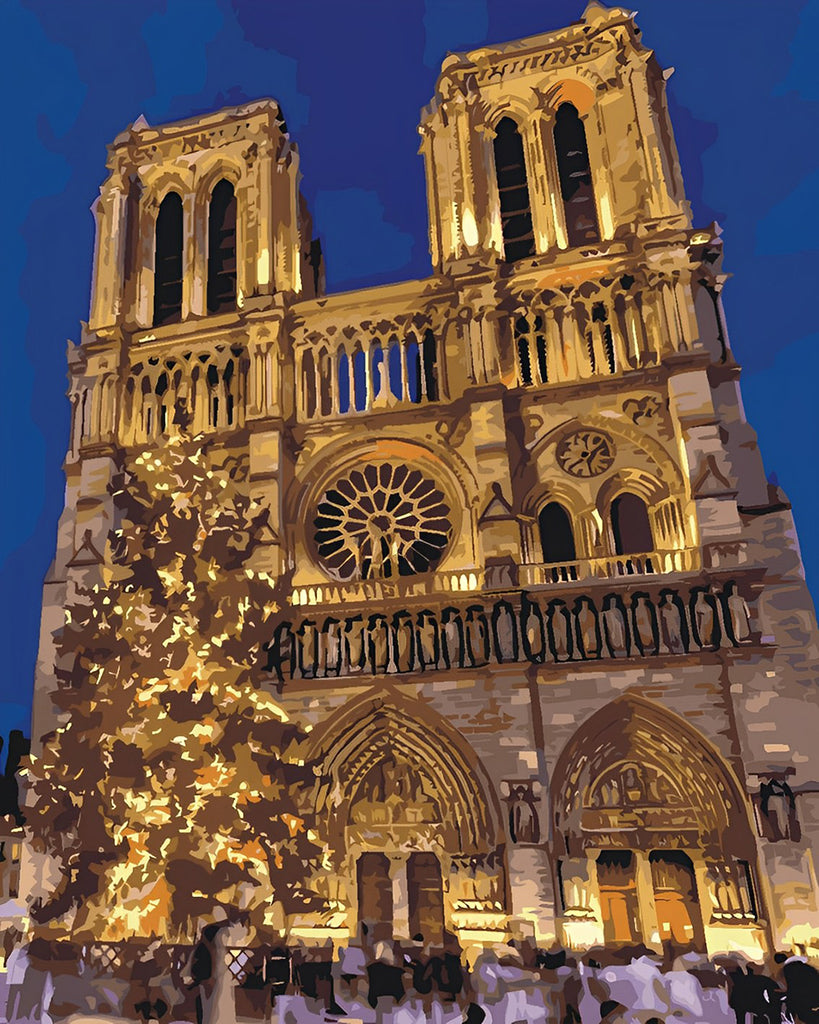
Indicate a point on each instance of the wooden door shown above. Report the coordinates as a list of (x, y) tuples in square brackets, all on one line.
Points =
[(426, 898)]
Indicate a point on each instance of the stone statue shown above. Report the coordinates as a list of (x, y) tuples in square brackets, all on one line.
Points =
[(477, 636), (453, 639), (559, 631), (308, 649), (504, 626), (404, 641), (642, 614), (523, 823), (739, 615), (332, 647), (614, 624), (428, 642), (778, 805), (534, 639), (671, 629), (379, 643), (588, 628), (704, 620), (354, 649)]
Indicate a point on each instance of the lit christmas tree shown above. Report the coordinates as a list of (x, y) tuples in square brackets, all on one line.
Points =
[(175, 785)]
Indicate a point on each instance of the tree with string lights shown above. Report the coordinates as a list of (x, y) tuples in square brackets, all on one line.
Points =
[(175, 785)]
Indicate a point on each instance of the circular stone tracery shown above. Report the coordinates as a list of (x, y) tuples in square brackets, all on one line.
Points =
[(382, 521)]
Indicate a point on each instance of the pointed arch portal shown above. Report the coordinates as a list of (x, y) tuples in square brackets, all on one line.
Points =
[(652, 830), (407, 804)]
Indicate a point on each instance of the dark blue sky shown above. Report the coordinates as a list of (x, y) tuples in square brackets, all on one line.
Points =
[(351, 76)]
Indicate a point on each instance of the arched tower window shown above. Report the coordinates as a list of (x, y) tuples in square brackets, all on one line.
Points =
[(575, 176), (430, 355), (168, 262), (556, 536), (516, 213), (630, 525), (222, 248)]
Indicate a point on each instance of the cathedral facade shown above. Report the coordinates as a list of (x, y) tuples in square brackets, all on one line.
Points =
[(539, 608)]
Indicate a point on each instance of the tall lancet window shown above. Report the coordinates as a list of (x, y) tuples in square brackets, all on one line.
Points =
[(575, 176), (516, 213), (168, 262), (222, 248)]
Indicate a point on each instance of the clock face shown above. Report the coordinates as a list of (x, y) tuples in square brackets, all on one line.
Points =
[(585, 453)]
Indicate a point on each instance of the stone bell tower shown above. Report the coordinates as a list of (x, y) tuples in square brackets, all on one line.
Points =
[(202, 242), (565, 146)]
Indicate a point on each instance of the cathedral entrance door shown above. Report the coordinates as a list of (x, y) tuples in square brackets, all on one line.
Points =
[(675, 896), (375, 908), (426, 899), (618, 896)]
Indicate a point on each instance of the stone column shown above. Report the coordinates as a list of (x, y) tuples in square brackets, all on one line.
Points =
[(646, 907), (400, 896)]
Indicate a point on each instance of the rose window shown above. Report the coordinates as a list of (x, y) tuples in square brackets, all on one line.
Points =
[(382, 521)]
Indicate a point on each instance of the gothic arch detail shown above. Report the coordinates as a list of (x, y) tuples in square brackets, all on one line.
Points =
[(636, 775), (421, 752)]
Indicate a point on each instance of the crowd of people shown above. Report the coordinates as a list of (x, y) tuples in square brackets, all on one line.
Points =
[(415, 981)]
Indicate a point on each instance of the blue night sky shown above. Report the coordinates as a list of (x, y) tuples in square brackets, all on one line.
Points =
[(351, 76)]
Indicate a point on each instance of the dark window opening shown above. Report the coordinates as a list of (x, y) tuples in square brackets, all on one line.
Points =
[(168, 262), (556, 536), (222, 248), (430, 349), (630, 525), (516, 213), (574, 171)]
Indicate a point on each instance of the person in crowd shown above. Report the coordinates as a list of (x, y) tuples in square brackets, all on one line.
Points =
[(385, 976), (802, 984)]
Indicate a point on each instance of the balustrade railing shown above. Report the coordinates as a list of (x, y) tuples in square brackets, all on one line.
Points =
[(650, 563), (360, 591)]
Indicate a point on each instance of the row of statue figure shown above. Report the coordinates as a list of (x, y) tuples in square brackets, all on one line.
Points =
[(532, 629)]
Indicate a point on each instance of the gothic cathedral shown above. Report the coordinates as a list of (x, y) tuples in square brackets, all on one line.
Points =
[(541, 613)]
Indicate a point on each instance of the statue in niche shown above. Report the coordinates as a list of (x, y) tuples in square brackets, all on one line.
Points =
[(523, 823), (559, 631), (631, 785), (504, 626), (331, 642), (705, 622), (354, 648), (671, 627), (308, 644), (477, 636), (643, 615), (778, 806), (738, 614), (404, 641), (533, 631), (428, 641), (453, 639), (614, 624), (588, 628), (379, 643)]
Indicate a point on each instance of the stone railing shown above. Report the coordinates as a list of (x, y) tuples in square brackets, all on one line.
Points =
[(365, 591), (641, 621), (651, 563)]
